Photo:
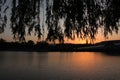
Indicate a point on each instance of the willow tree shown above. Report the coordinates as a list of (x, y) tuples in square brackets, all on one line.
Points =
[(3, 17), (81, 18), (25, 13), (111, 16)]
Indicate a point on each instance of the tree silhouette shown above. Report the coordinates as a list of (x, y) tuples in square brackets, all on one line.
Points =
[(2, 40), (81, 18), (25, 13), (3, 17), (111, 17), (84, 17)]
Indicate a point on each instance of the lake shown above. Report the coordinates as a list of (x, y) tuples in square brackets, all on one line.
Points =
[(59, 66)]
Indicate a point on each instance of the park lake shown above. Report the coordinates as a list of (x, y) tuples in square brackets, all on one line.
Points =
[(59, 39), (59, 66)]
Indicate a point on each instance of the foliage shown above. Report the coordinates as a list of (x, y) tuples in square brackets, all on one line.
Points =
[(25, 13), (3, 17), (81, 18), (84, 17)]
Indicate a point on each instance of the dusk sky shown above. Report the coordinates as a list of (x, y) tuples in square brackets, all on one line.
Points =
[(59, 39), (7, 35)]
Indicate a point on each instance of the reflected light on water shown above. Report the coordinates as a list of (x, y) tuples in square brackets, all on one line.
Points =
[(84, 61), (58, 66)]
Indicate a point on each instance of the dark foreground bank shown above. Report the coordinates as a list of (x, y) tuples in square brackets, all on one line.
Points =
[(106, 46)]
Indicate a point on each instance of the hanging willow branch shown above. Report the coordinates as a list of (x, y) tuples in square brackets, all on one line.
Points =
[(25, 13), (84, 17), (3, 16), (81, 18)]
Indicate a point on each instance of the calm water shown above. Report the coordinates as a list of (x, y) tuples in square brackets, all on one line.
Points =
[(59, 66)]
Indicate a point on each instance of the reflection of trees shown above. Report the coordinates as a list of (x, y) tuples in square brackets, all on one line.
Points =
[(81, 18)]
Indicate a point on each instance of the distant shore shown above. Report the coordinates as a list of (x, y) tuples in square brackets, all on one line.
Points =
[(106, 46)]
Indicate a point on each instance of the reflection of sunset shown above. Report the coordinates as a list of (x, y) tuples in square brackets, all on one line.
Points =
[(86, 60)]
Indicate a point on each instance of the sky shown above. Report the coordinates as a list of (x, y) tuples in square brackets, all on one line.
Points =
[(7, 35)]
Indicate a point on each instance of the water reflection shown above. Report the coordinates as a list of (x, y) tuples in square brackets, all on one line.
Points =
[(57, 65), (112, 53)]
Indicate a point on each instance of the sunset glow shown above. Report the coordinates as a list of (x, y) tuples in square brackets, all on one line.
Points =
[(8, 36), (85, 61), (76, 41), (59, 39)]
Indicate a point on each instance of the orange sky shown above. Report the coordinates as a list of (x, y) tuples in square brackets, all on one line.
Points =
[(7, 35)]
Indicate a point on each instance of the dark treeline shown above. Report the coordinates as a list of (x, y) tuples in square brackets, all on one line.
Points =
[(39, 46), (105, 46), (81, 18)]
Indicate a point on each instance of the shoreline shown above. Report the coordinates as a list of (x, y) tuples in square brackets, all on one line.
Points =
[(105, 46)]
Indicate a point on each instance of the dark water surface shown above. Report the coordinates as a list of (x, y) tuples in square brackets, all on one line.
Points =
[(59, 66)]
